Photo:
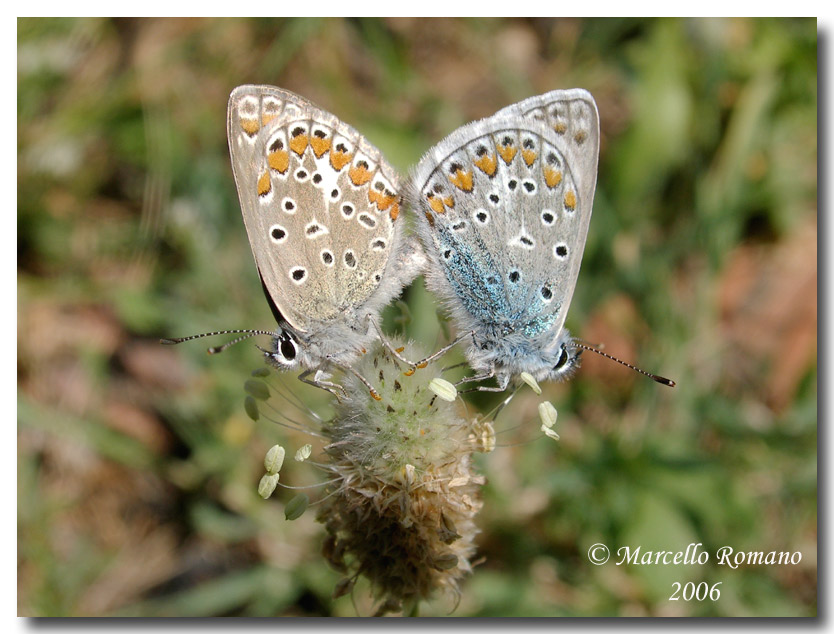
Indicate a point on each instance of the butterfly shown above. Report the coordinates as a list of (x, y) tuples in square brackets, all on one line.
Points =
[(503, 207), (322, 208)]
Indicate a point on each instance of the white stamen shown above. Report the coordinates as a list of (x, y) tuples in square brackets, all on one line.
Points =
[(548, 414), (267, 485), (302, 454), (274, 459), (443, 389), (531, 381)]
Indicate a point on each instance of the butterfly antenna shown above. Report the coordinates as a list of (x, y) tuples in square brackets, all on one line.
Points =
[(660, 379), (217, 349)]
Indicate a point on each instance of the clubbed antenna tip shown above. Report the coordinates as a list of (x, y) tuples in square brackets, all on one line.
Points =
[(660, 379)]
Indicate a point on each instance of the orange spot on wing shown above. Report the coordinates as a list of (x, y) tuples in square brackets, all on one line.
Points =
[(266, 117), (436, 204), (298, 144), (400, 349), (395, 211), (507, 153), (264, 184), (409, 372), (449, 202), (552, 177), (359, 175), (570, 200), (430, 220), (279, 160), (422, 365), (320, 146), (487, 164), (250, 126), (383, 200), (560, 127), (376, 198), (529, 156), (462, 180), (580, 137), (376, 396), (339, 159)]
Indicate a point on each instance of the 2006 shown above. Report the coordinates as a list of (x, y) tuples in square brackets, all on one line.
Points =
[(701, 592)]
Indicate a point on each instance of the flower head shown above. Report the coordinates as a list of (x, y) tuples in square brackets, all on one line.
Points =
[(402, 509)]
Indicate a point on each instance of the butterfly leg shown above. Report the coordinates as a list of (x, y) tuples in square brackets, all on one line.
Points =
[(503, 380), (445, 349), (365, 381), (477, 377), (324, 385), (487, 388), (396, 352), (418, 365)]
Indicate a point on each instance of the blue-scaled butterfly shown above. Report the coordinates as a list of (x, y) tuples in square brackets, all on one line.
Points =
[(503, 207)]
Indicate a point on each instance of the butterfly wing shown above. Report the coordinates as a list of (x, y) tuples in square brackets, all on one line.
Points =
[(504, 214), (573, 116), (319, 203)]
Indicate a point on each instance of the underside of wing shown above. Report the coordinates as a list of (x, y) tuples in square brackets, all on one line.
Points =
[(502, 214), (572, 114), (319, 202)]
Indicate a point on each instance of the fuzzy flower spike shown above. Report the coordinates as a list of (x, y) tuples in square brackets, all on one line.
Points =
[(401, 511)]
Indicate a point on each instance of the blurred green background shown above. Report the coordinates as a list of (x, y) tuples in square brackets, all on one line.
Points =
[(137, 466)]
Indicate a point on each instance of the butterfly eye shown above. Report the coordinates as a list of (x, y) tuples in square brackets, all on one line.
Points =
[(563, 359), (288, 349)]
